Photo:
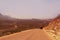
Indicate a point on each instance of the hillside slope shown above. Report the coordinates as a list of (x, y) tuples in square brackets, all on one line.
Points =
[(53, 29)]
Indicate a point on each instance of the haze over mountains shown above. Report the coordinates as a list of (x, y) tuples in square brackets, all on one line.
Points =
[(5, 17), (9, 25)]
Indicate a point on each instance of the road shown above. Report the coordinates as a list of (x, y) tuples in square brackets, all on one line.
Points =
[(33, 34)]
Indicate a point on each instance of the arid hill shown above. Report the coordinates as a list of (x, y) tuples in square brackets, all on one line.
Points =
[(54, 24), (11, 25), (53, 29)]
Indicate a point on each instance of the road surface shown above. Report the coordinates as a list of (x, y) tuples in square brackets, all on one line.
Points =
[(33, 34)]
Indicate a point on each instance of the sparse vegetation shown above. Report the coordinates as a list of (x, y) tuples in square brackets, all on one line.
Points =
[(10, 25)]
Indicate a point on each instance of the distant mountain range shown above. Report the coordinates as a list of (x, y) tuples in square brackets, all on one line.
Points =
[(5, 17), (12, 25)]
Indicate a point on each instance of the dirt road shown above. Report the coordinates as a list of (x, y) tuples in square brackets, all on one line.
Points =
[(33, 34)]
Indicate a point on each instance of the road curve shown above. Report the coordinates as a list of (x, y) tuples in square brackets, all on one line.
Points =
[(33, 34)]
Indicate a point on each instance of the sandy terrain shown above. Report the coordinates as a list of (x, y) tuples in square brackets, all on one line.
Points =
[(52, 35), (33, 34)]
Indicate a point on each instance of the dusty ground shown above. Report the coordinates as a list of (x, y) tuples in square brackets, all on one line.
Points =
[(33, 34), (52, 35)]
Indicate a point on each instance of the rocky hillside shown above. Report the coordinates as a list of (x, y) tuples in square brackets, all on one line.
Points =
[(53, 29), (54, 24)]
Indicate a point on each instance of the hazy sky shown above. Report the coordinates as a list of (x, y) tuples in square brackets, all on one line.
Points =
[(30, 8)]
